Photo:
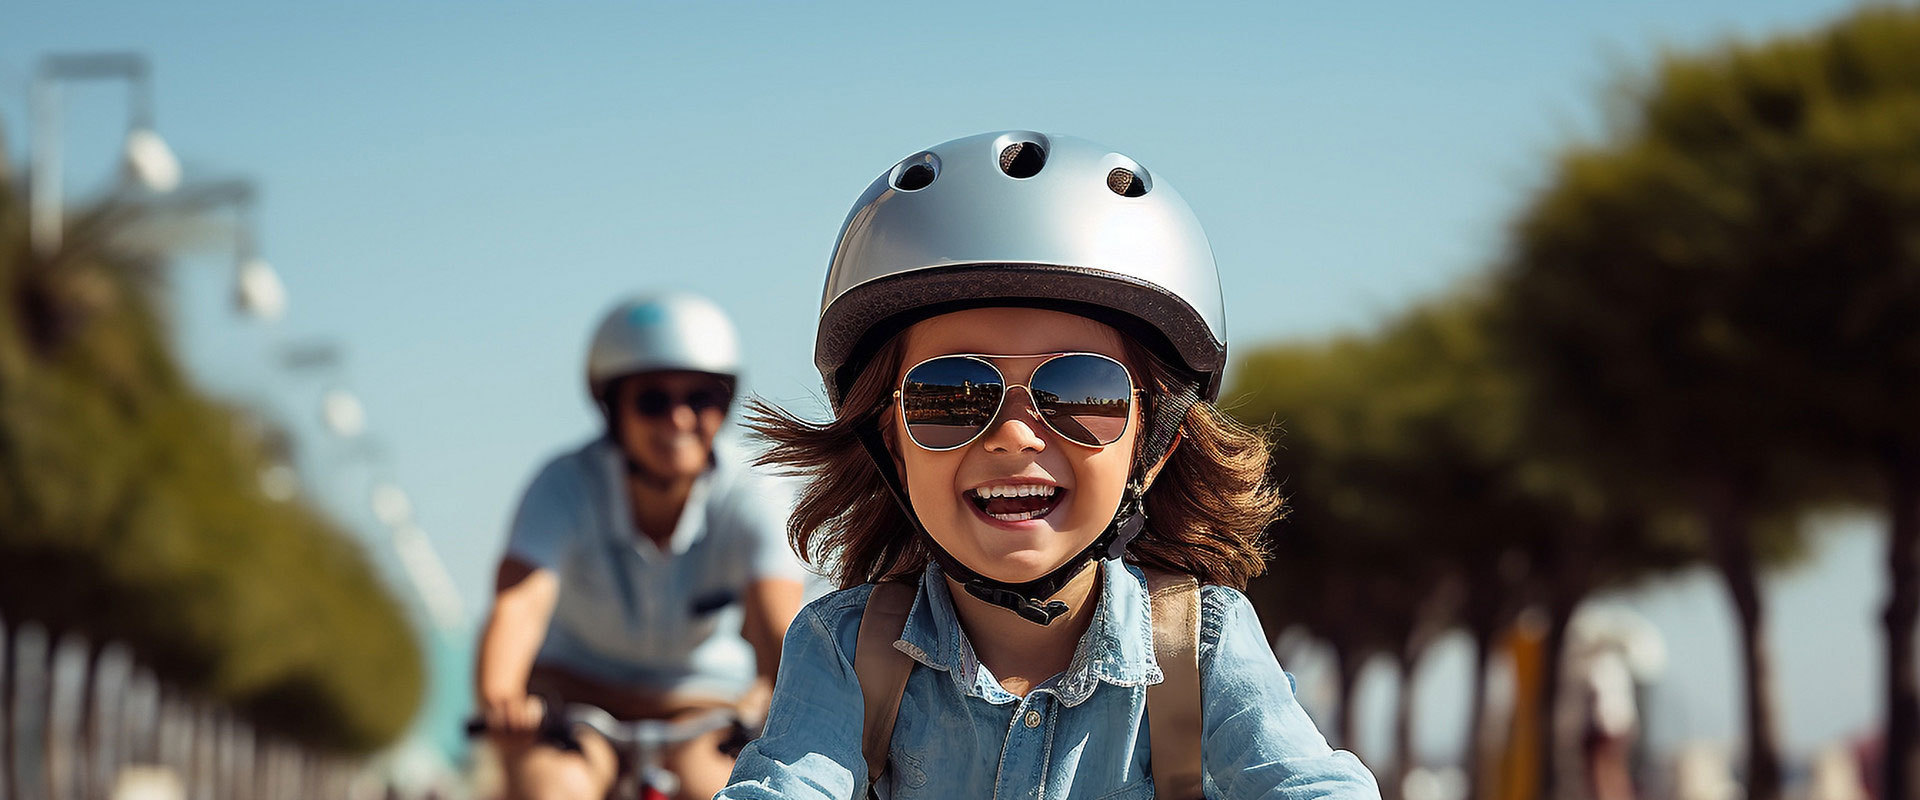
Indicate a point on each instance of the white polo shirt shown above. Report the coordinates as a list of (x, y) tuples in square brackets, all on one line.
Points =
[(632, 613)]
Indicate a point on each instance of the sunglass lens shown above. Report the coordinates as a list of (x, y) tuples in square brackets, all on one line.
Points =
[(707, 400), (1088, 399), (949, 400), (660, 402), (653, 403)]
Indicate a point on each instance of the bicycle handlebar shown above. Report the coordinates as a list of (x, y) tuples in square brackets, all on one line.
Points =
[(558, 724)]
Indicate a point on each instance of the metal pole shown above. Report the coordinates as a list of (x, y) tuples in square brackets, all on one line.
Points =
[(43, 188), (45, 201)]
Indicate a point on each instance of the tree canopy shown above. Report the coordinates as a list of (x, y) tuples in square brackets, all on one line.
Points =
[(133, 511)]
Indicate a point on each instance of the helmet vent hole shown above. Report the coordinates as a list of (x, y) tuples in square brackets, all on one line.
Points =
[(1022, 159), (915, 173), (914, 178), (1125, 183)]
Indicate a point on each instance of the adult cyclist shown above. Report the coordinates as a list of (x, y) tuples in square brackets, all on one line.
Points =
[(646, 572)]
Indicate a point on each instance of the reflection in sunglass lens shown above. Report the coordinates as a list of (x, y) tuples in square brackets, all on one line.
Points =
[(948, 401), (1088, 399)]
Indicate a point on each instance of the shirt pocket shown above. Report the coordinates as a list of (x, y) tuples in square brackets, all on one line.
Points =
[(905, 779), (708, 602)]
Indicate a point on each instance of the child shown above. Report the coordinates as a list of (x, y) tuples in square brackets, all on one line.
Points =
[(1021, 336)]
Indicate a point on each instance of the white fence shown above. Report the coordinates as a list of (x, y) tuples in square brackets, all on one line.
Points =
[(79, 722)]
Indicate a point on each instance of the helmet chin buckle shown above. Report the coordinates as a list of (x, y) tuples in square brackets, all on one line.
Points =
[(1028, 608)]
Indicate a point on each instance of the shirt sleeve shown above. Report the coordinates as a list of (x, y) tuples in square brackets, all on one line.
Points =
[(1259, 742), (811, 746), (761, 506), (551, 514)]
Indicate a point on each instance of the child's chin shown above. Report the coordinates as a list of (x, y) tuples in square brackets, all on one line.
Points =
[(1023, 566)]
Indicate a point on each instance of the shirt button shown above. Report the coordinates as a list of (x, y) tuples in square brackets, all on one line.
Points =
[(1033, 719)]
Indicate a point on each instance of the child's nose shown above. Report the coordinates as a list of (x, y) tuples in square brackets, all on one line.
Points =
[(1018, 426)]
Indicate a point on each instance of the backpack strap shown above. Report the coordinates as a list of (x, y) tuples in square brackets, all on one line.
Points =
[(1173, 704), (882, 670)]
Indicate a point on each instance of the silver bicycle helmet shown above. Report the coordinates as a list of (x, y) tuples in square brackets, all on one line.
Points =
[(1027, 219), (671, 331), (1022, 218)]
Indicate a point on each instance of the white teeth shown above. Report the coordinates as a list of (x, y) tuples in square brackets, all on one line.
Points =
[(1021, 490)]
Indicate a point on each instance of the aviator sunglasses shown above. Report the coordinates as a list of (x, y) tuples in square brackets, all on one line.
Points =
[(946, 402)]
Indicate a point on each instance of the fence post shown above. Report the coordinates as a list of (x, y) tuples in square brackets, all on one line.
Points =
[(269, 777), (247, 755), (223, 757), (6, 720), (200, 752), (29, 711), (175, 735), (66, 706), (140, 725), (111, 670)]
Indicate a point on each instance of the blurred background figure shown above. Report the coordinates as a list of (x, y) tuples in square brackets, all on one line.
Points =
[(647, 572), (1615, 655)]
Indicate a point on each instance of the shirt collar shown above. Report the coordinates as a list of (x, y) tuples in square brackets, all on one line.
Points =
[(1117, 647), (686, 530)]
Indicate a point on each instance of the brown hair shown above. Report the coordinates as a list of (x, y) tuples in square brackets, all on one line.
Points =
[(1207, 511)]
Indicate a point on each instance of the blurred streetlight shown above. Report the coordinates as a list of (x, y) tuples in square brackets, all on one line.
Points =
[(147, 159), (257, 290), (342, 413), (151, 162), (391, 506)]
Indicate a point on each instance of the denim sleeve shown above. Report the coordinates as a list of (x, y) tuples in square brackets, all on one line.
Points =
[(1259, 742), (811, 746)]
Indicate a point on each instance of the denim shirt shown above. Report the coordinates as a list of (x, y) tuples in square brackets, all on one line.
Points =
[(1081, 735)]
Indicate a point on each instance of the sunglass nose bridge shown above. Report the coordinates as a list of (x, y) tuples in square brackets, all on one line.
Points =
[(1032, 404)]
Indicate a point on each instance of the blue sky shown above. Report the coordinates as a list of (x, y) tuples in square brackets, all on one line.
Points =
[(453, 192)]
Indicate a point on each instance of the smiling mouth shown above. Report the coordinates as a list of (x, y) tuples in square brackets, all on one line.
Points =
[(1016, 503)]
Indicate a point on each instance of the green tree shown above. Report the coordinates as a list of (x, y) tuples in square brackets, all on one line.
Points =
[(130, 508), (1408, 468), (1806, 145), (1684, 307)]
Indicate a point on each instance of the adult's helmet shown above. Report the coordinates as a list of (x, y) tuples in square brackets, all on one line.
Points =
[(1023, 218), (671, 331)]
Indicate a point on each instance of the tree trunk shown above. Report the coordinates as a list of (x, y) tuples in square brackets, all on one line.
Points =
[(1728, 511), (1404, 760), (1560, 608), (1477, 714), (1903, 607)]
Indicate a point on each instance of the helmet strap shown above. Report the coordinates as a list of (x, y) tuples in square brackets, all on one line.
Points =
[(1032, 599)]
